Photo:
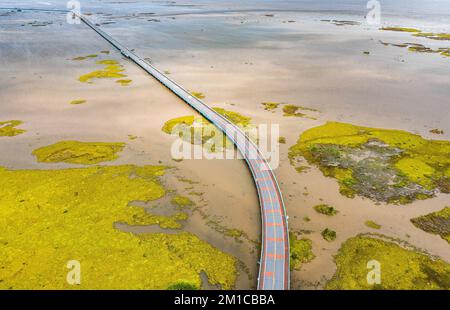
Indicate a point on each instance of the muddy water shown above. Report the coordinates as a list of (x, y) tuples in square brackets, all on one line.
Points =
[(244, 59), (38, 82)]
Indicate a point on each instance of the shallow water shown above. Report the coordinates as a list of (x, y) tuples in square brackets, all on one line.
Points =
[(241, 58)]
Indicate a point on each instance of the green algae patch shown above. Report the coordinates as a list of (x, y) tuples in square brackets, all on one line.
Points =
[(124, 82), (198, 131), (78, 101), (293, 110), (401, 268), (52, 216), (132, 137), (328, 234), (437, 223), (180, 286), (384, 165), (198, 95), (325, 209), (372, 224), (169, 126), (433, 36), (400, 29), (112, 70), (181, 201), (301, 251), (8, 128), (234, 233), (234, 117), (85, 57), (76, 152), (269, 106), (282, 140)]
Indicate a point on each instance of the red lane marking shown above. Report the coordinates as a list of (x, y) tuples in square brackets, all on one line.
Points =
[(275, 239), (274, 224), (275, 256), (268, 274), (272, 210), (263, 179)]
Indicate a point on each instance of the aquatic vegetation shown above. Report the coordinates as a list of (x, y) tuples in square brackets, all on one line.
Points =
[(76, 152), (124, 82), (198, 95), (199, 131), (85, 57), (325, 209), (233, 232), (270, 105), (437, 131), (166, 72), (328, 234), (282, 140), (301, 251), (435, 223), (420, 48), (433, 36), (306, 219), (366, 53), (78, 101), (181, 201), (372, 224), (49, 217), (401, 29), (292, 110), (104, 52), (112, 69), (384, 165), (182, 286), (342, 22), (132, 137), (8, 128), (401, 268), (234, 117)]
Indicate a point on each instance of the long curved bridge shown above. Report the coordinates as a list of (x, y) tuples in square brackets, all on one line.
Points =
[(274, 272)]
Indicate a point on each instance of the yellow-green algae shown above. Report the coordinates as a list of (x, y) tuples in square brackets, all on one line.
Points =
[(372, 224), (433, 36), (8, 128), (401, 268), (436, 223), (270, 105), (401, 29), (234, 117), (328, 234), (198, 130), (420, 48), (181, 201), (112, 69), (78, 101), (76, 152), (198, 95), (85, 57), (124, 82), (381, 164), (282, 140), (325, 209), (49, 217), (292, 110), (301, 251)]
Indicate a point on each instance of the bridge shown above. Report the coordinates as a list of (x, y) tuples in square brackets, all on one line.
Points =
[(274, 264)]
